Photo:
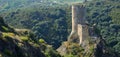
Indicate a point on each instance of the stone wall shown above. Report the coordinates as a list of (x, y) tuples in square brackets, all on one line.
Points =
[(79, 28)]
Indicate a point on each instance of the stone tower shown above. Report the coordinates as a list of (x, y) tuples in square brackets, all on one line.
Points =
[(79, 34), (79, 28)]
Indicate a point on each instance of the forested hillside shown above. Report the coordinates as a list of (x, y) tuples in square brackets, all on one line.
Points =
[(21, 43), (7, 5), (53, 24), (105, 15), (50, 24)]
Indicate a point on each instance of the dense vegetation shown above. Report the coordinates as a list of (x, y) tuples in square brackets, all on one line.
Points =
[(21, 43), (105, 16), (53, 24), (7, 5)]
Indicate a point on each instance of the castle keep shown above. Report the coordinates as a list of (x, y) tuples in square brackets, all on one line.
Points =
[(79, 34), (79, 28)]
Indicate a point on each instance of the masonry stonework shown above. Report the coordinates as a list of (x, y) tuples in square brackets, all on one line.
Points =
[(79, 29)]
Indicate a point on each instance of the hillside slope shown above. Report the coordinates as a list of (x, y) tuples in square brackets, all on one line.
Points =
[(7, 5), (54, 23), (14, 43)]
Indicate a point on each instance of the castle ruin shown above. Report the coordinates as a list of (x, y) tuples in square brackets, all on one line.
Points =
[(79, 34), (79, 28)]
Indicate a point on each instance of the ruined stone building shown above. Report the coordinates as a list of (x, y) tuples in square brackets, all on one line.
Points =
[(81, 35), (79, 28)]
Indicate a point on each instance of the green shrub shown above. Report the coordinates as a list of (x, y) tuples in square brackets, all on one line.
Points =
[(24, 38), (5, 28), (50, 52), (41, 41), (69, 55)]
